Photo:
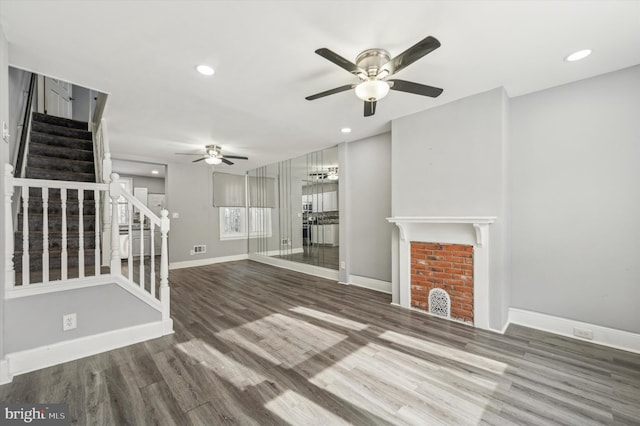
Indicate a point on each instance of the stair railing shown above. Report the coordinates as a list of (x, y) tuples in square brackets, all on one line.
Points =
[(20, 159), (139, 264), (140, 225), (103, 166)]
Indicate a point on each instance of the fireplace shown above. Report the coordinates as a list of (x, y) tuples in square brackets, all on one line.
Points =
[(442, 279), (441, 266)]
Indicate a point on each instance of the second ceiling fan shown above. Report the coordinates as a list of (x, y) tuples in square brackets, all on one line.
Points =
[(213, 155), (373, 66)]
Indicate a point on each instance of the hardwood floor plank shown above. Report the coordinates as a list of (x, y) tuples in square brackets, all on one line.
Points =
[(258, 345)]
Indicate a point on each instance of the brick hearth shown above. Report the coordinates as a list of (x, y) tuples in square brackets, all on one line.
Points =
[(445, 266)]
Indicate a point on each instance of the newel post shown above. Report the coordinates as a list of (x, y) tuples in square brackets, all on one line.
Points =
[(10, 274), (164, 265), (106, 217), (114, 194)]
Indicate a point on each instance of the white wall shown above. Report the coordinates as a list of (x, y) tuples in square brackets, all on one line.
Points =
[(36, 321), (450, 161), (368, 185), (4, 158), (190, 193), (575, 163)]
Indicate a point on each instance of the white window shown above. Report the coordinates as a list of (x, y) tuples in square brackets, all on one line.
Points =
[(234, 223)]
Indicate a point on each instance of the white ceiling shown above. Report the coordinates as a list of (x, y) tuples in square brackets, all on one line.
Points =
[(143, 53)]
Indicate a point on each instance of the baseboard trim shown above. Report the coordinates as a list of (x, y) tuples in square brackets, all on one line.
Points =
[(58, 353), (606, 336), (316, 271), (279, 252), (209, 261), (370, 283), (5, 377), (55, 286)]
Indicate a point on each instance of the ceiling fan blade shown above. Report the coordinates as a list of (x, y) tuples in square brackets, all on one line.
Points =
[(341, 62), (199, 159), (369, 108), (330, 92), (225, 161), (411, 55), (415, 88), (237, 157)]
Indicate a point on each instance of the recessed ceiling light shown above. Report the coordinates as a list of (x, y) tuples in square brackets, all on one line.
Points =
[(154, 172), (205, 69), (576, 56), (345, 130)]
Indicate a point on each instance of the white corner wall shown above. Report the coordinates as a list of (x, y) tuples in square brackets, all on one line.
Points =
[(4, 158), (450, 161), (190, 194), (368, 187), (575, 167)]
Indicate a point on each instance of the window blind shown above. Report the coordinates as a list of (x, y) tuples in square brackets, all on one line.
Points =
[(228, 190), (262, 192)]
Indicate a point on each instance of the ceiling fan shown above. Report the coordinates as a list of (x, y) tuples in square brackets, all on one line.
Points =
[(213, 155), (373, 66)]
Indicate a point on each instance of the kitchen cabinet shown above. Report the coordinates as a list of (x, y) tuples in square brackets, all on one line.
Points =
[(124, 243), (325, 234), (322, 202)]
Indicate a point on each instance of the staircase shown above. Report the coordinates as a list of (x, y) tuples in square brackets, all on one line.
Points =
[(59, 149)]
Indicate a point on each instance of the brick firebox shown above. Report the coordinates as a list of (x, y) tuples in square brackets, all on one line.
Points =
[(445, 266)]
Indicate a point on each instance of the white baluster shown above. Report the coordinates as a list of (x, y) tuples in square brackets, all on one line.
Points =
[(8, 229), (141, 217), (164, 265), (96, 196), (130, 242), (63, 253), (25, 235), (106, 216), (114, 194), (80, 233), (45, 235), (152, 278)]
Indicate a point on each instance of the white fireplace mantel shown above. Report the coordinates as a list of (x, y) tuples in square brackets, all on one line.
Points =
[(479, 224), (443, 229)]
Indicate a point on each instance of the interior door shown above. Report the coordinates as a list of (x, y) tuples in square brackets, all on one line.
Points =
[(57, 97)]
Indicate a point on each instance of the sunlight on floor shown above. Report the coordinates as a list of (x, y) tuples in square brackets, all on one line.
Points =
[(332, 319), (290, 341), (293, 407), (231, 370), (457, 355)]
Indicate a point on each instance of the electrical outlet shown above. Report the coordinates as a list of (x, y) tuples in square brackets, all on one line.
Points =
[(175, 215), (583, 333), (69, 322), (343, 265), (285, 241), (5, 132)]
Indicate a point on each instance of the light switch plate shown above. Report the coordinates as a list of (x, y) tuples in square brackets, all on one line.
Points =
[(5, 132)]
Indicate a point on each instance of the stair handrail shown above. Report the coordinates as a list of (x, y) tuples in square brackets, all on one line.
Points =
[(115, 192), (21, 157)]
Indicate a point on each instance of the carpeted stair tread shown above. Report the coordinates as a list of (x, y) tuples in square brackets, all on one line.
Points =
[(51, 129), (55, 256), (55, 241), (42, 173), (55, 222), (55, 151), (59, 121), (61, 140), (75, 166)]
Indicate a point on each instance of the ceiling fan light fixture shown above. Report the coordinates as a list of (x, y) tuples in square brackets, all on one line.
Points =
[(213, 160), (576, 56), (372, 90), (205, 69)]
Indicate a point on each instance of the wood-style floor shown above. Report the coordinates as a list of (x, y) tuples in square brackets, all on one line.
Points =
[(255, 344)]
